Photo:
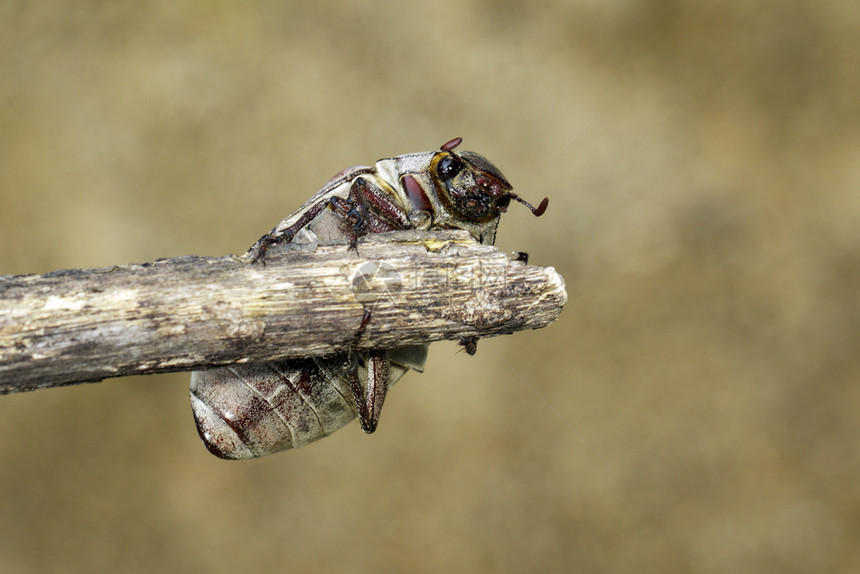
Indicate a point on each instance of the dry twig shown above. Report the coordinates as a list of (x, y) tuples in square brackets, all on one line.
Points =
[(193, 312)]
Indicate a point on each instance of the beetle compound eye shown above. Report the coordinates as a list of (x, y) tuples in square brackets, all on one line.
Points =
[(449, 166)]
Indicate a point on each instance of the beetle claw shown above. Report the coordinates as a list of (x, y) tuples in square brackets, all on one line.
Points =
[(469, 344)]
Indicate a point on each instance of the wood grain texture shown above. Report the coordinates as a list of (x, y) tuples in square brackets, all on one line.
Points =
[(190, 312)]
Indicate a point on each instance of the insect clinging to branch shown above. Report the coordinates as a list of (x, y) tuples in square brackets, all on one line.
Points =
[(251, 410)]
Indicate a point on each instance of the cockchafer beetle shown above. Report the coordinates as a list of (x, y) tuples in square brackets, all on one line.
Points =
[(251, 410)]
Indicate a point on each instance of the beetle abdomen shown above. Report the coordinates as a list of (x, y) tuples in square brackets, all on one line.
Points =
[(255, 409), (246, 411)]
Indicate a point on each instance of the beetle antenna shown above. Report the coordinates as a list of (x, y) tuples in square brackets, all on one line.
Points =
[(540, 208), (448, 146)]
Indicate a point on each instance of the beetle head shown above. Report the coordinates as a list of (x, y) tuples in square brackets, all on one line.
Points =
[(471, 187)]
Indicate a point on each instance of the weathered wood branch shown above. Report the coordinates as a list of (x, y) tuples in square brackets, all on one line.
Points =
[(192, 312)]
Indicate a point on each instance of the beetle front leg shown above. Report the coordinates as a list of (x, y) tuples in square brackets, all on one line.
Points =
[(369, 399)]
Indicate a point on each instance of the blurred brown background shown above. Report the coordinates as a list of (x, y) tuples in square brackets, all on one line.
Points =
[(700, 406)]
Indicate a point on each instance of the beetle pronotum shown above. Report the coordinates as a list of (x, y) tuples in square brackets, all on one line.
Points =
[(251, 410)]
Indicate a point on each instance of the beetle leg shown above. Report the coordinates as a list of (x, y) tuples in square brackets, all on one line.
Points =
[(382, 214), (271, 238), (357, 214), (365, 319), (354, 213), (521, 256), (368, 207), (469, 344), (369, 399)]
